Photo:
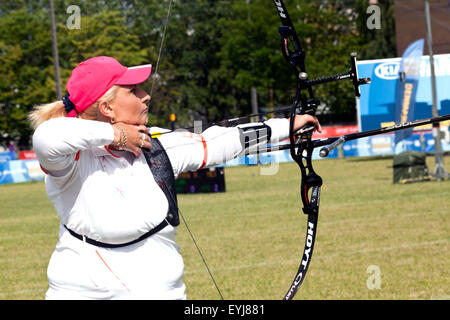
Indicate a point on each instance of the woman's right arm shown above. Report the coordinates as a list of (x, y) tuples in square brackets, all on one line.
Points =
[(57, 141)]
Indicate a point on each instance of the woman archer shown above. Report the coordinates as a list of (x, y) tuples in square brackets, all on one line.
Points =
[(113, 185)]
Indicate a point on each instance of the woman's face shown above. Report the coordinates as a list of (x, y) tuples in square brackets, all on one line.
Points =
[(130, 105)]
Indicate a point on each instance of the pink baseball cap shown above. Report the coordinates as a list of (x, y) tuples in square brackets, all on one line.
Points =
[(92, 78)]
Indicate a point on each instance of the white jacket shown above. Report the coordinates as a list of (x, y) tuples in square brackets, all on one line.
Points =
[(111, 197)]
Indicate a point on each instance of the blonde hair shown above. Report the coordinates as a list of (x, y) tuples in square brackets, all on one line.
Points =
[(56, 109)]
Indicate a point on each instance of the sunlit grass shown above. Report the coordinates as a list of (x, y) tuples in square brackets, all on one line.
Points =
[(252, 235)]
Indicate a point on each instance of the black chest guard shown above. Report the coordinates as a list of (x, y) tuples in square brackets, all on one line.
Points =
[(162, 171)]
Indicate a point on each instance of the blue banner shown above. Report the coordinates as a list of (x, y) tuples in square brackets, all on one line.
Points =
[(20, 171), (7, 156), (377, 102), (406, 88)]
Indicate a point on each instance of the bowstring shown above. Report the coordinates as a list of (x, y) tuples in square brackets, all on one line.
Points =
[(201, 255), (160, 47), (179, 211)]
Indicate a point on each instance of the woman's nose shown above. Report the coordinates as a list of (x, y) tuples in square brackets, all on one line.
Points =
[(145, 97)]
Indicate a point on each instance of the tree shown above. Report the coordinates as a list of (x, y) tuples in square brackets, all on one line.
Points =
[(376, 43), (193, 41), (213, 53), (25, 71), (251, 54), (27, 75)]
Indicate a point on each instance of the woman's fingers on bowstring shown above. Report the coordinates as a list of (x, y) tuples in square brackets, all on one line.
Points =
[(137, 138), (144, 141), (142, 137)]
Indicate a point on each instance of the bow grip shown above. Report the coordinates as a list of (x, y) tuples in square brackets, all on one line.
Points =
[(311, 204), (305, 131)]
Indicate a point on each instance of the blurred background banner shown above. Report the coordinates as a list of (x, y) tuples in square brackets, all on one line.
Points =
[(406, 87), (377, 102), (20, 171)]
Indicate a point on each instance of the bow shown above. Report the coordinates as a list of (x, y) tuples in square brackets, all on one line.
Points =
[(300, 144)]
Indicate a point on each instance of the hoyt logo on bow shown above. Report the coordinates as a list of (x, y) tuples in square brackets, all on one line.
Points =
[(280, 8)]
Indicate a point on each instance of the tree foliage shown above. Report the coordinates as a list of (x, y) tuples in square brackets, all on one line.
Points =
[(213, 53)]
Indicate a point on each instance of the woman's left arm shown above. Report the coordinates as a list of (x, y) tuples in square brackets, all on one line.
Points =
[(217, 145)]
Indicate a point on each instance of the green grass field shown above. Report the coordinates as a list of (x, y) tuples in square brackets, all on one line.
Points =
[(252, 236)]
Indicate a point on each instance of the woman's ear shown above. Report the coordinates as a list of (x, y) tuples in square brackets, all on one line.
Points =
[(106, 110)]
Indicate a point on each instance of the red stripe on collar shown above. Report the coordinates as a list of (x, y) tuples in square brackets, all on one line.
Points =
[(109, 151)]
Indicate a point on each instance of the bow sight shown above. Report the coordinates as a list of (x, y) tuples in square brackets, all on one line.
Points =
[(296, 59), (352, 74)]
